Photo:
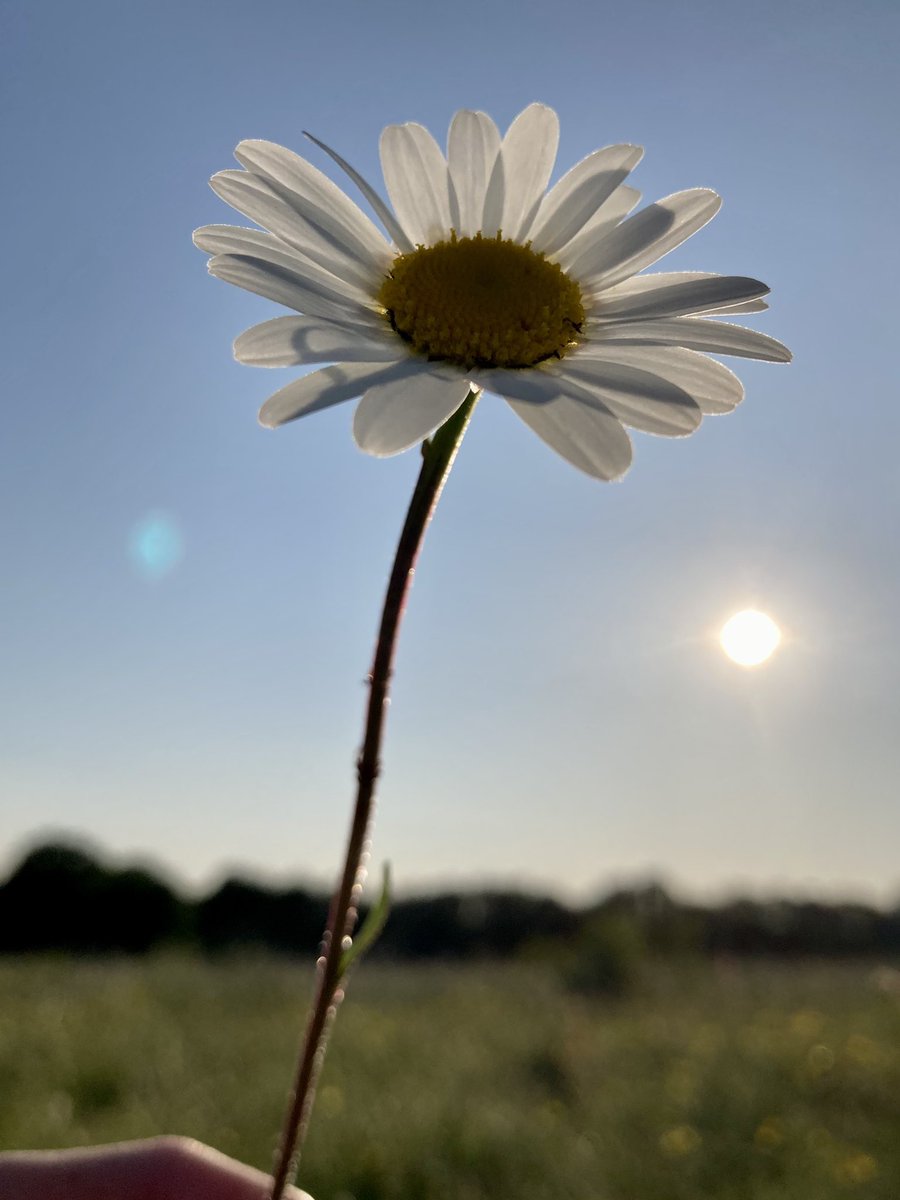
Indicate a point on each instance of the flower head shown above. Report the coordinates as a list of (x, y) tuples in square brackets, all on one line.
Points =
[(485, 280)]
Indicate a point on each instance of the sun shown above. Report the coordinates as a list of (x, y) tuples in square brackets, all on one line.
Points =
[(750, 637)]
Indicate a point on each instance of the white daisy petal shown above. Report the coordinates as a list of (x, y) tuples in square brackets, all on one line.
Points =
[(292, 341), (590, 438), (257, 245), (283, 285), (714, 388), (645, 237), (535, 387), (415, 175), (255, 199), (604, 221), (637, 397), (634, 396), (331, 385), (711, 337), (391, 417), (312, 277), (315, 197), (526, 158), (492, 216), (734, 310), (383, 212), (640, 284), (238, 239), (472, 148), (651, 296), (572, 202)]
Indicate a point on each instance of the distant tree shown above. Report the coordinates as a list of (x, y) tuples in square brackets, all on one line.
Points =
[(607, 956), (143, 912), (241, 914), (61, 898), (664, 925), (481, 924)]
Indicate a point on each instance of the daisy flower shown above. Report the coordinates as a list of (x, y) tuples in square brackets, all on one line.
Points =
[(484, 279)]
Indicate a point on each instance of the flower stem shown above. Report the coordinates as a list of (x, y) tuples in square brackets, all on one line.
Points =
[(437, 459)]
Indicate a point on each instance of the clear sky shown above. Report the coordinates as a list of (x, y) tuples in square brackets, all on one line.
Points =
[(563, 715)]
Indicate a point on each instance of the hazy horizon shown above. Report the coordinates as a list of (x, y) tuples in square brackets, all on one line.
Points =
[(194, 885)]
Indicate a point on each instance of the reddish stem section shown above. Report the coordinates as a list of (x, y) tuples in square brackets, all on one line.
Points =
[(438, 456)]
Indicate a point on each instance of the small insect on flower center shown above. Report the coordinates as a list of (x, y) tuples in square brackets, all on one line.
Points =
[(482, 302)]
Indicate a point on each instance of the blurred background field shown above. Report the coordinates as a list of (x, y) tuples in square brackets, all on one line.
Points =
[(728, 1080)]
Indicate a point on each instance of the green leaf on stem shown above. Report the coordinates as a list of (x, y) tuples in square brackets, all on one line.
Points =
[(371, 927)]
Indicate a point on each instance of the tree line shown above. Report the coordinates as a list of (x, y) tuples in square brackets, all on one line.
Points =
[(65, 898)]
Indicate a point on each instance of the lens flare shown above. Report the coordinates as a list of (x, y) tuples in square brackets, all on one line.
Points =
[(155, 545)]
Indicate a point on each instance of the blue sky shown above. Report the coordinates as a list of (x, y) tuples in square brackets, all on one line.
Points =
[(562, 716)]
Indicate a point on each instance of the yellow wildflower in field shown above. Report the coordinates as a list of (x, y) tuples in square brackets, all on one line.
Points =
[(819, 1060), (769, 1134), (680, 1141), (856, 1168), (862, 1051), (807, 1023)]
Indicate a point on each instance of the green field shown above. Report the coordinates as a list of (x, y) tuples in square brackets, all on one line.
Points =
[(739, 1082)]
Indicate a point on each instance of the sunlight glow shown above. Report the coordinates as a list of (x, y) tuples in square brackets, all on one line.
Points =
[(750, 638)]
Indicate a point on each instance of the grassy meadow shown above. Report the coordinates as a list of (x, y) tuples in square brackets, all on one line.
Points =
[(742, 1081)]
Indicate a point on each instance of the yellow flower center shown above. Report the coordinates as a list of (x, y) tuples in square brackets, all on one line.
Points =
[(482, 302)]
